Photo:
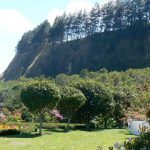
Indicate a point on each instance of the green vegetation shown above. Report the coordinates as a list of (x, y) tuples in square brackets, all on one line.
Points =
[(57, 140), (39, 96), (72, 99), (141, 142), (138, 143), (99, 101), (127, 94), (92, 100), (95, 100)]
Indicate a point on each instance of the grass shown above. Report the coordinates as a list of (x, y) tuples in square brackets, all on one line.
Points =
[(59, 140)]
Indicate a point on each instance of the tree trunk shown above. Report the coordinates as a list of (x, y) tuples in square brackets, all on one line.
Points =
[(40, 127), (88, 126), (105, 123), (68, 122)]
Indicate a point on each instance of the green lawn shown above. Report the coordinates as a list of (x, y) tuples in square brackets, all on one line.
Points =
[(57, 140)]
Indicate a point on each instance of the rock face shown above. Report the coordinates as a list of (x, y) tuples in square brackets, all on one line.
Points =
[(116, 50)]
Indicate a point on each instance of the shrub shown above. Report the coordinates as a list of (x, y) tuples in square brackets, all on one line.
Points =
[(38, 96), (71, 100), (142, 142), (9, 129), (48, 117), (30, 127), (148, 114), (99, 101), (25, 127), (14, 118), (139, 143), (98, 122), (26, 115), (63, 126)]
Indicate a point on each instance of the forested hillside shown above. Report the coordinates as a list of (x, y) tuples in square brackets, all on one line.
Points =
[(115, 36)]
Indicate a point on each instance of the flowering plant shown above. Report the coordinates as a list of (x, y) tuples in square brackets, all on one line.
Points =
[(6, 127)]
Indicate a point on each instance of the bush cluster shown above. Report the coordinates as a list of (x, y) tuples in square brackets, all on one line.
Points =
[(9, 129)]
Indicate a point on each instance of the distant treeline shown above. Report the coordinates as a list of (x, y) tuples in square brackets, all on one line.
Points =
[(118, 15)]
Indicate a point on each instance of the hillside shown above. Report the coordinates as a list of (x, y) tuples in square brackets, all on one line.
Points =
[(117, 50), (112, 37)]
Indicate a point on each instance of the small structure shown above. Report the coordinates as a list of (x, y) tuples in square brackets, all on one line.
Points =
[(135, 126)]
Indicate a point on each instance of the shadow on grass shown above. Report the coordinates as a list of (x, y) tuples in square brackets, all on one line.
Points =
[(55, 130), (22, 135), (33, 134), (58, 130), (127, 132)]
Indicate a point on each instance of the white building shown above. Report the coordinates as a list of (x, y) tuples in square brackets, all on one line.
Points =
[(135, 126)]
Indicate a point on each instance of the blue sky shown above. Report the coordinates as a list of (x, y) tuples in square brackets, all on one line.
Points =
[(19, 16)]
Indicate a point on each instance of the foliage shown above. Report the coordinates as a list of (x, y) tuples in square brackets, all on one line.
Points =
[(9, 95), (130, 90), (63, 126), (148, 114), (25, 127), (112, 16), (56, 115), (71, 100), (99, 101), (14, 117), (120, 107), (141, 142), (137, 143), (9, 130), (98, 122), (28, 127), (26, 115), (38, 96)]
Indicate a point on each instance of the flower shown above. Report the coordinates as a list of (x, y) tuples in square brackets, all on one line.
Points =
[(57, 114)]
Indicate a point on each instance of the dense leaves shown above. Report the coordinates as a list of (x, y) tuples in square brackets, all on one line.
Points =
[(110, 95), (99, 101), (38, 96), (115, 15), (71, 100)]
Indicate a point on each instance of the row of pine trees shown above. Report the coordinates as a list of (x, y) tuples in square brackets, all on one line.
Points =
[(115, 15)]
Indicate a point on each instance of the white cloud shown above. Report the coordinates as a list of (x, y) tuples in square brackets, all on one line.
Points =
[(77, 5), (12, 25), (102, 2), (72, 7), (53, 13), (13, 21)]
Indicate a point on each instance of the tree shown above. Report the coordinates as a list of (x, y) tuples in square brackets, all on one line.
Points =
[(119, 99), (71, 100), (119, 20), (107, 16), (41, 33), (62, 80), (38, 96), (57, 31), (147, 11), (34, 38), (99, 101), (95, 18)]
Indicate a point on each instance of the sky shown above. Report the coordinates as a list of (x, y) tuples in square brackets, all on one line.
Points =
[(20, 16)]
